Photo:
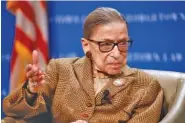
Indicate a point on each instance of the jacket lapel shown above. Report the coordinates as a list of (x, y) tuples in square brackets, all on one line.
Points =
[(83, 70), (125, 77)]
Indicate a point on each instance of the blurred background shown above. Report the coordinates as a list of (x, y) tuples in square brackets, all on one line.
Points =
[(157, 28)]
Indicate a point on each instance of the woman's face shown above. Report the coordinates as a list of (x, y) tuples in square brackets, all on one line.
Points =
[(109, 62)]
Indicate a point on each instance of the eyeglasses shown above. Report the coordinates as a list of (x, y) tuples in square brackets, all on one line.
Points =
[(107, 46)]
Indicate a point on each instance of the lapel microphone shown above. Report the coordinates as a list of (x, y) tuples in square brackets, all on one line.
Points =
[(106, 97)]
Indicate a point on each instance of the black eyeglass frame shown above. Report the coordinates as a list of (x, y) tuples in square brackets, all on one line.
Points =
[(115, 44)]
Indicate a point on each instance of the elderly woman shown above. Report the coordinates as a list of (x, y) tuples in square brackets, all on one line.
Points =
[(99, 87)]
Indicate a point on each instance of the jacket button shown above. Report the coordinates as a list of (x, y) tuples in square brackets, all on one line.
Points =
[(85, 115), (89, 104)]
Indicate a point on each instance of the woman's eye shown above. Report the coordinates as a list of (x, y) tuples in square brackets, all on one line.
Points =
[(106, 44), (123, 43)]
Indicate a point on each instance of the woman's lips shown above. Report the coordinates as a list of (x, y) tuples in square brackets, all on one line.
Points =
[(115, 65)]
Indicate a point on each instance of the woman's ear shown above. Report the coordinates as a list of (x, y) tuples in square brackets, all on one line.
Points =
[(85, 45)]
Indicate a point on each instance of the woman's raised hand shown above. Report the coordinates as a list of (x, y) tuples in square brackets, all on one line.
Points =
[(34, 74)]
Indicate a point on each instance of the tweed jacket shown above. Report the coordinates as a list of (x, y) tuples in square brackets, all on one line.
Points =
[(68, 95)]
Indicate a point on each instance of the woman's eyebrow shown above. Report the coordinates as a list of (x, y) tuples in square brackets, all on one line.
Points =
[(111, 40), (106, 39), (123, 39)]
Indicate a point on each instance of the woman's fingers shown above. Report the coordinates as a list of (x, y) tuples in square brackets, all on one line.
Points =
[(28, 67), (37, 78), (35, 74), (32, 72), (35, 57), (33, 68)]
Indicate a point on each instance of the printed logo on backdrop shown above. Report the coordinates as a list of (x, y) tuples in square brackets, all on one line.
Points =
[(175, 57), (131, 18), (5, 58)]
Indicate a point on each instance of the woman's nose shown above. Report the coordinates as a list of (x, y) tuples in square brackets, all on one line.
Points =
[(115, 51)]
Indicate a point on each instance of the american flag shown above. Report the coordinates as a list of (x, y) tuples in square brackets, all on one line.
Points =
[(31, 32)]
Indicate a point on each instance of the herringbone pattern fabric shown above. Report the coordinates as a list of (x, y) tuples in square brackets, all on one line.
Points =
[(69, 93)]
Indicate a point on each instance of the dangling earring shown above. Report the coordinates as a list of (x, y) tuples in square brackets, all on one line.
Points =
[(88, 54)]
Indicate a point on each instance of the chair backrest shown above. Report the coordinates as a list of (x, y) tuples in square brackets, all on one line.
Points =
[(169, 82), (173, 84)]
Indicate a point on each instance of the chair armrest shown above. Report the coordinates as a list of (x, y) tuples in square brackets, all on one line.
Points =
[(177, 112), (42, 118), (9, 120)]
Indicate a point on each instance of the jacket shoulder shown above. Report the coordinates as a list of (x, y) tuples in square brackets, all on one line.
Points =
[(66, 60), (144, 78), (66, 63), (75, 60)]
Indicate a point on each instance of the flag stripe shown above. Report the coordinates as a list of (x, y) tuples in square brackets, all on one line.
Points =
[(13, 58), (42, 45), (40, 19), (31, 33), (19, 76), (20, 35), (25, 40), (26, 25), (27, 10), (43, 4)]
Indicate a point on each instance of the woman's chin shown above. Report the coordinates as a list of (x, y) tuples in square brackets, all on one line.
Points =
[(114, 71)]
